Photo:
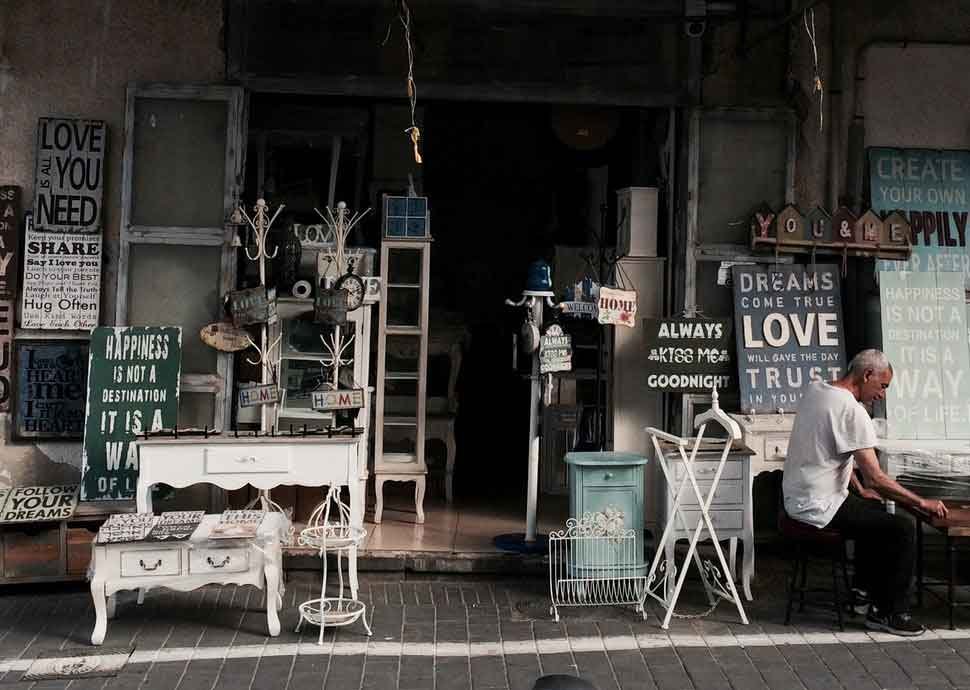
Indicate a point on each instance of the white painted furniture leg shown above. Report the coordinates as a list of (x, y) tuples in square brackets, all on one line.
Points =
[(733, 556), (352, 570), (271, 570), (141, 597), (419, 483), (747, 564), (112, 606), (100, 612), (379, 504)]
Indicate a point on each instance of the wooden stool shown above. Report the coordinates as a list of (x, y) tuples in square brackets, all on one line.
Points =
[(812, 543)]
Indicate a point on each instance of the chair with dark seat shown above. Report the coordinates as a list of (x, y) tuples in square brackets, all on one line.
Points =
[(814, 544)]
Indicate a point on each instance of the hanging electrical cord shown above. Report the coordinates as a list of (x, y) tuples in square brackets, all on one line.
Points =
[(809, 19), (413, 131)]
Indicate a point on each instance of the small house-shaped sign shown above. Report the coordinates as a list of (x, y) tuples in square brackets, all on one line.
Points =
[(818, 226), (790, 224), (843, 225), (896, 230), (868, 228), (763, 223)]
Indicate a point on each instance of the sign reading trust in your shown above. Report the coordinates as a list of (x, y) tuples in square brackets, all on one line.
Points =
[(133, 387), (932, 188), (788, 321)]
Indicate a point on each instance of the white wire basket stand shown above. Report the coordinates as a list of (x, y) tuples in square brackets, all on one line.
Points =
[(339, 537), (594, 562)]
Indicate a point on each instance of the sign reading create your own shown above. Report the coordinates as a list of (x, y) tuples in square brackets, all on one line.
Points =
[(133, 387), (788, 321), (688, 355), (924, 334)]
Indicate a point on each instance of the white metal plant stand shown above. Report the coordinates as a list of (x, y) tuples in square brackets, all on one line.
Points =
[(718, 581), (337, 537), (594, 562)]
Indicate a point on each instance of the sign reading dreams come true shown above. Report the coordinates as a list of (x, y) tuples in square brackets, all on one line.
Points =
[(133, 387), (788, 321)]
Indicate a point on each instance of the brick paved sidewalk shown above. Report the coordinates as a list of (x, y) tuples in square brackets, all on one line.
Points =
[(454, 633)]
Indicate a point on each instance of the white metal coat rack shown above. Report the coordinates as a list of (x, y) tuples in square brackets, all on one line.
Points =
[(718, 582)]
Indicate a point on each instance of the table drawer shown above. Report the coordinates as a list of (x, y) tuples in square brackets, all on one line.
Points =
[(219, 560), (247, 460), (776, 448), (721, 519), (729, 492), (142, 563), (607, 476), (705, 469)]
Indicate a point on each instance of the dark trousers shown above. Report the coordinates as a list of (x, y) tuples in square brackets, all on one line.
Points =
[(885, 551)]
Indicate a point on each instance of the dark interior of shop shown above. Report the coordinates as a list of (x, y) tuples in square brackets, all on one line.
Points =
[(506, 184)]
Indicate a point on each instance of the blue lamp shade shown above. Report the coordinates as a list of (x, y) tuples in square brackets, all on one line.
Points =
[(406, 217), (539, 278)]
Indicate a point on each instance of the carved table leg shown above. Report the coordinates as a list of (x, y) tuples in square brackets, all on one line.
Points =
[(100, 612), (112, 606), (352, 569), (419, 498), (379, 504), (272, 571)]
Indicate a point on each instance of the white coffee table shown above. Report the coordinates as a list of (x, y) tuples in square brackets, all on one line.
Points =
[(190, 564)]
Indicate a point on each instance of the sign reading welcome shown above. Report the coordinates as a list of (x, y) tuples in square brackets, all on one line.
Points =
[(788, 321), (133, 387)]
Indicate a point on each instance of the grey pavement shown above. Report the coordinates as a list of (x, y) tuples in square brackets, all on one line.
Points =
[(444, 633)]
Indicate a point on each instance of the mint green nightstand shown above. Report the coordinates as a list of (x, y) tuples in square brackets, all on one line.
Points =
[(608, 484)]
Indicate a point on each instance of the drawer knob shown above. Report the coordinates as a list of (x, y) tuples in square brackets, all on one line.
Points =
[(608, 476), (250, 458), (150, 568), (213, 564)]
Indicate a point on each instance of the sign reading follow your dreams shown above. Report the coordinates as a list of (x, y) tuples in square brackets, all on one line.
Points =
[(133, 387), (788, 321)]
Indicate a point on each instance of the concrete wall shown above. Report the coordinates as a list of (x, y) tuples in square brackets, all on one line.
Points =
[(73, 58)]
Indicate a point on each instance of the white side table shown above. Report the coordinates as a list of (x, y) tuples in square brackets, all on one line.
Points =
[(190, 564)]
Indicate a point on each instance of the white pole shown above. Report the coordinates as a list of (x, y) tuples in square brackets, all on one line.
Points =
[(532, 496)]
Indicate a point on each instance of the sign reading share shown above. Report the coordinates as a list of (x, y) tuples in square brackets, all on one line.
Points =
[(788, 321)]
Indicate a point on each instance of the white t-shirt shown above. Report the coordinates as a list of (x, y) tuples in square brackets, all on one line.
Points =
[(830, 425)]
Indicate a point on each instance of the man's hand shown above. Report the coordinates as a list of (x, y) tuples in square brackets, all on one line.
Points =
[(868, 493), (932, 507)]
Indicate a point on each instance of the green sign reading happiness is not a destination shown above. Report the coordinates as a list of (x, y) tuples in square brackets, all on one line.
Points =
[(133, 387)]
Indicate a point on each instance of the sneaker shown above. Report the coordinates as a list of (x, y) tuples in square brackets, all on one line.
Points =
[(896, 624), (858, 601)]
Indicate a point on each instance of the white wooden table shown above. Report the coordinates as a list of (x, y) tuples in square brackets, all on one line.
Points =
[(187, 565)]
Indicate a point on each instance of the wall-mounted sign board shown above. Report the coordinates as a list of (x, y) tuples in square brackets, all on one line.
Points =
[(252, 305), (38, 503), (555, 351), (688, 355), (133, 388), (69, 177), (51, 389), (6, 353), (788, 329), (617, 307), (924, 334), (10, 209), (328, 401)]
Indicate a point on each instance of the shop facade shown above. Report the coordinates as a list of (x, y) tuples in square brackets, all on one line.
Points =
[(531, 120)]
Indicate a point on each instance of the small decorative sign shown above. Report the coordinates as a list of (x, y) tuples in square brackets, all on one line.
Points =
[(51, 389), (331, 306), (62, 280), (39, 503), (9, 241), (258, 394), (579, 310), (617, 307), (372, 289), (225, 337), (237, 524), (175, 525), (555, 351), (69, 178), (328, 401), (688, 355), (133, 387), (252, 305), (125, 527)]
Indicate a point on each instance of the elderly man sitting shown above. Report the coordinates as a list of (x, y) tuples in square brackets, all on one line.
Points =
[(832, 434)]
